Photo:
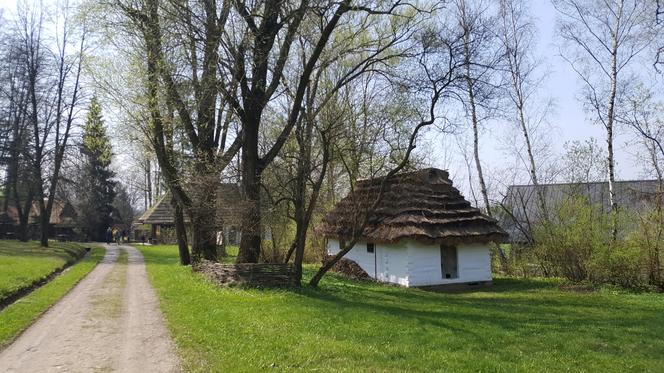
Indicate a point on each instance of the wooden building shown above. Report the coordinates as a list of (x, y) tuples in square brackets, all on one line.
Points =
[(62, 223), (161, 222)]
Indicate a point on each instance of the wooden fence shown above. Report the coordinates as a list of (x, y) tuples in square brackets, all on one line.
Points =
[(261, 274)]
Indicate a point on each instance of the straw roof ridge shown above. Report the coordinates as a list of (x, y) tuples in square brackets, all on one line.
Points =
[(420, 205), (228, 212)]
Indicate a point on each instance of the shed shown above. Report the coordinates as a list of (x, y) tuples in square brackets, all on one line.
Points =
[(161, 218), (422, 233)]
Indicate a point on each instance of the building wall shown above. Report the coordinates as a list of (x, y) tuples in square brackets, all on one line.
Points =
[(474, 264), (358, 254), (410, 263), (392, 263)]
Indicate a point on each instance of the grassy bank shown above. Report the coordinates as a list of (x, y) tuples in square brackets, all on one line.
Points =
[(22, 313), (23, 264), (517, 325)]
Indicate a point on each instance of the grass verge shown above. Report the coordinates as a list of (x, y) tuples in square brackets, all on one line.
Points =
[(24, 264), (516, 325), (19, 315)]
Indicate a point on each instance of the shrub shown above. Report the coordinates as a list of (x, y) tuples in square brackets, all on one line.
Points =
[(575, 243)]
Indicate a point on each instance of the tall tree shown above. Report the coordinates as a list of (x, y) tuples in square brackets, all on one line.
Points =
[(428, 80), (606, 39), (194, 96), (15, 137), (478, 86), (96, 185), (517, 36), (258, 60), (52, 81)]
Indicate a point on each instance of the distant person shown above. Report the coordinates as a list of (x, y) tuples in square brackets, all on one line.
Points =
[(109, 235), (143, 239)]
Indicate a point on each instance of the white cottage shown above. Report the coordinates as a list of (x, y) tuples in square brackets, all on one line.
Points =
[(422, 233)]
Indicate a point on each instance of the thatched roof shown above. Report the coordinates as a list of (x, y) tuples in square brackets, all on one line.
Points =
[(525, 209), (228, 210), (421, 205), (63, 215)]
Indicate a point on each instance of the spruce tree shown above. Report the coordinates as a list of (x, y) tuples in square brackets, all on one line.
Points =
[(97, 188)]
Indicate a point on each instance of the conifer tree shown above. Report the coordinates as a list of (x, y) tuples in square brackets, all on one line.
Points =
[(97, 188)]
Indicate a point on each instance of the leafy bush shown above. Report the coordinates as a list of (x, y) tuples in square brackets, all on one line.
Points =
[(575, 243)]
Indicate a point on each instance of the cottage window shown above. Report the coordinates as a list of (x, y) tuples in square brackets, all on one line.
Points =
[(449, 261), (370, 247)]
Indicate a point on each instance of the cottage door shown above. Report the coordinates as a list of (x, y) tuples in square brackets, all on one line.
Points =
[(449, 261)]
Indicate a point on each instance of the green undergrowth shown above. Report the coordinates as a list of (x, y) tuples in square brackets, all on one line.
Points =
[(19, 315), (515, 325)]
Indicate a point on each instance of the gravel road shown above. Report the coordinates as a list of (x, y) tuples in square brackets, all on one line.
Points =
[(109, 322)]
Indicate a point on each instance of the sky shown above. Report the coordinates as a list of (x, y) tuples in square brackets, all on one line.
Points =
[(568, 121)]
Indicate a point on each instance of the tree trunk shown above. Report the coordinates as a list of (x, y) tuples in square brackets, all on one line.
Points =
[(303, 170), (250, 244), (203, 215), (148, 180), (44, 226), (181, 233), (24, 218), (476, 146), (609, 141)]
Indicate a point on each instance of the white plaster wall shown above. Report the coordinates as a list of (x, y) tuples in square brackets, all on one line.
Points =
[(358, 254), (411, 263), (474, 264), (392, 263)]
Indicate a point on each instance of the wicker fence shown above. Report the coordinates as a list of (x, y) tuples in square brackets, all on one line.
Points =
[(261, 274)]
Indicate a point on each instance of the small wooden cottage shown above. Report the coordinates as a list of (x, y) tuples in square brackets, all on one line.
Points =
[(161, 221), (62, 222), (422, 233)]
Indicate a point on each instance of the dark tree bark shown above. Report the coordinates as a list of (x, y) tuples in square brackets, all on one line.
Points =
[(181, 233), (255, 99), (198, 123)]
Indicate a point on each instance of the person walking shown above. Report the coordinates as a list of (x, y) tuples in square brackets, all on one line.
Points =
[(109, 235)]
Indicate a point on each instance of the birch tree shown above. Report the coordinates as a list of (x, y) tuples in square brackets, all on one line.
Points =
[(478, 86), (517, 37), (603, 40)]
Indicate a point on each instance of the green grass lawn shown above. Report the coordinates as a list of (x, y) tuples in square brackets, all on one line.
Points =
[(516, 325), (22, 313), (25, 263)]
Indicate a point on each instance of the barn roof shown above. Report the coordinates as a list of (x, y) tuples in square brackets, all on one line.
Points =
[(421, 205), (525, 209), (63, 214), (228, 211)]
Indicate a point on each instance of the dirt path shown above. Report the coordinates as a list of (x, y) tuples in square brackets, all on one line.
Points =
[(109, 322)]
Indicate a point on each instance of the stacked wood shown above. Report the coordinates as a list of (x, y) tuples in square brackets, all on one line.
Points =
[(349, 268), (251, 274)]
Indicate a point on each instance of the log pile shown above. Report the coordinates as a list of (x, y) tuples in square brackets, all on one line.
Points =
[(250, 274), (350, 269)]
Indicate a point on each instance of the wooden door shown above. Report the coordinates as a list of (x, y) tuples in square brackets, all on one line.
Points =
[(449, 261)]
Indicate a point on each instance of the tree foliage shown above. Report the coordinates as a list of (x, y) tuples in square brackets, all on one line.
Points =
[(97, 189)]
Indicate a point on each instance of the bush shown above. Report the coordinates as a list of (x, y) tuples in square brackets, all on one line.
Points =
[(566, 241), (575, 243)]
